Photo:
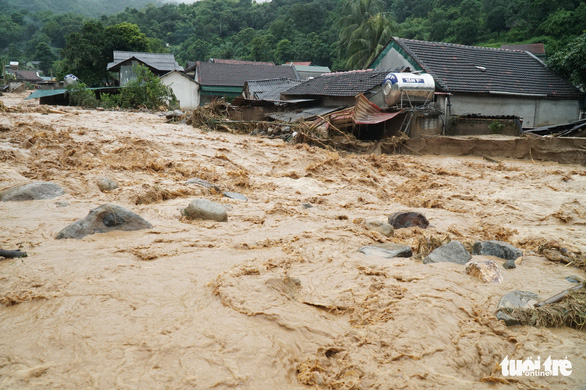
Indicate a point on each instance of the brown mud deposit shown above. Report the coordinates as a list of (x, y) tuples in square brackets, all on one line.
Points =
[(277, 297)]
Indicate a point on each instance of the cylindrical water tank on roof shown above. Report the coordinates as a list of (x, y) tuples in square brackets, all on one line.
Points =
[(413, 87)]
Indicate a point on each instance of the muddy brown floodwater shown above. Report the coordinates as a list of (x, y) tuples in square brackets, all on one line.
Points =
[(277, 297)]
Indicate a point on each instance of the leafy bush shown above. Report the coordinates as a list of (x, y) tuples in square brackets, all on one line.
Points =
[(496, 127), (146, 90), (80, 95)]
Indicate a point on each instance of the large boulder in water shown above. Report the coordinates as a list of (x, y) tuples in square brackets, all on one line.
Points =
[(32, 191), (405, 219), (104, 219), (501, 249), (453, 252), (206, 209)]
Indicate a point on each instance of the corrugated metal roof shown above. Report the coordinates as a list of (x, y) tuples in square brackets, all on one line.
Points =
[(367, 113), (235, 75), (40, 93), (312, 68), (339, 84), (160, 61), (268, 89), (304, 114)]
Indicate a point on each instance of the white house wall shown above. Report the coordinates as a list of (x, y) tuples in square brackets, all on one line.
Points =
[(535, 112), (186, 91)]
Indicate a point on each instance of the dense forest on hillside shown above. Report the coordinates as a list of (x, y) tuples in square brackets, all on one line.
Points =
[(88, 8), (342, 34)]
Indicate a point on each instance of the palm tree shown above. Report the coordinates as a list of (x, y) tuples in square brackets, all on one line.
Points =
[(364, 32)]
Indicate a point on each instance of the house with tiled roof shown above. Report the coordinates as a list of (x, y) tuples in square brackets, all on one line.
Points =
[(486, 82), (220, 79), (340, 88), (158, 63)]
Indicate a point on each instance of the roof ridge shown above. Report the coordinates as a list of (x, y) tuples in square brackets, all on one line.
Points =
[(459, 45)]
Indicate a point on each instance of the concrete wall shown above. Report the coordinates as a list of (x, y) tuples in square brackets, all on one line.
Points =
[(394, 60), (534, 112), (482, 126), (186, 91)]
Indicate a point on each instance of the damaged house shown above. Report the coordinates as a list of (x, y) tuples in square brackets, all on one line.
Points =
[(476, 86), (158, 63), (220, 79), (348, 101)]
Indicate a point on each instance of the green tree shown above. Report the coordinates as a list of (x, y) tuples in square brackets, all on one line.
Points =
[(369, 40), (284, 51), (88, 52), (45, 54), (146, 90), (570, 62)]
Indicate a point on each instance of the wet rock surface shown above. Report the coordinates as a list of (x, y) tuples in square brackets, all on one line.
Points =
[(509, 264), (387, 251), (103, 219), (405, 219), (106, 184), (500, 249), (381, 227), (235, 195), (32, 191), (206, 209), (453, 252), (203, 183), (486, 271), (515, 300)]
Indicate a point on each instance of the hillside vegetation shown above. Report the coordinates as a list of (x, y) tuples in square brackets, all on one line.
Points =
[(342, 34)]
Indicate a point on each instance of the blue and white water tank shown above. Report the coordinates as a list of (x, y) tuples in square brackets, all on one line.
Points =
[(408, 88)]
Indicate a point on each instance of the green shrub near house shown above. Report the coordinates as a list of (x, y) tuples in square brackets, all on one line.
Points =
[(145, 91)]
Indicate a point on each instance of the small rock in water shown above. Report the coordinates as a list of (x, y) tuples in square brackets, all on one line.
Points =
[(103, 219), (510, 264), (515, 300), (453, 252), (306, 205), (500, 249), (387, 251), (235, 195), (203, 183), (206, 209), (405, 219), (32, 191), (106, 184), (573, 279), (380, 226), (62, 204), (487, 271)]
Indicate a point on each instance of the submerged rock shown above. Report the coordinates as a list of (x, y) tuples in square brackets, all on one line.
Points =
[(379, 226), (104, 219), (509, 264), (405, 219), (387, 251), (203, 183), (106, 184), (206, 209), (453, 252), (235, 195), (500, 249), (487, 271), (515, 300), (32, 191)]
